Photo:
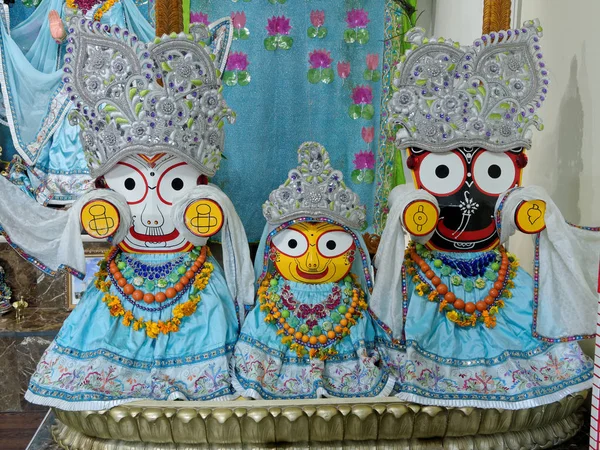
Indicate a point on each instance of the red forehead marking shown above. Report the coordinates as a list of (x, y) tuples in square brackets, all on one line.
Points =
[(151, 160)]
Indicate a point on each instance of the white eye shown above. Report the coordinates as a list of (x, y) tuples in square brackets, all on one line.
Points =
[(176, 180), (334, 243), (291, 243), (128, 181), (493, 173), (442, 173)]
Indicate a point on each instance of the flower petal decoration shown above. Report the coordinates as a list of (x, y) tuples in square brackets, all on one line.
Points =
[(343, 69), (199, 17), (357, 18), (320, 59), (364, 160), (317, 18), (237, 61), (278, 25), (238, 19), (368, 134), (362, 95), (372, 61)]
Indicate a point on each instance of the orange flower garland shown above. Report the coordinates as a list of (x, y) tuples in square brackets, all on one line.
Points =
[(464, 314), (153, 329)]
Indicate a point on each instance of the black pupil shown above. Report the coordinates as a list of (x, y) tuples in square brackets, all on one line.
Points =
[(177, 184), (494, 171), (442, 171), (130, 184), (330, 245), (293, 243)]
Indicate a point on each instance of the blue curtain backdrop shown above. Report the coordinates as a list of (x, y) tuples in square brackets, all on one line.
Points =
[(298, 72)]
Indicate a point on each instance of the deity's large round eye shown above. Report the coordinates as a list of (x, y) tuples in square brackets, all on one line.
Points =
[(129, 181), (493, 173), (442, 173), (334, 243), (290, 242), (175, 180)]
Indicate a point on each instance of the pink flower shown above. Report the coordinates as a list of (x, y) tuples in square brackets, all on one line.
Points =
[(372, 61), (364, 160), (199, 18), (343, 69), (362, 95), (237, 61), (317, 18), (238, 19), (320, 59), (278, 25), (368, 133), (357, 18)]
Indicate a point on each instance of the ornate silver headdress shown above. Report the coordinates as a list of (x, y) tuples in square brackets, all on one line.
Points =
[(314, 189), (132, 97), (486, 95)]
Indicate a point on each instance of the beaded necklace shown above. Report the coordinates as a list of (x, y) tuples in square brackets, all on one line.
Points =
[(299, 322), (462, 313)]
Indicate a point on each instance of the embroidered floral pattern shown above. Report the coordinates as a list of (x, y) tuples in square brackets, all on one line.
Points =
[(515, 378), (317, 20), (343, 69), (236, 72), (362, 99), (238, 19), (364, 163), (278, 29), (357, 21), (101, 375), (199, 17), (320, 67), (273, 377), (371, 73)]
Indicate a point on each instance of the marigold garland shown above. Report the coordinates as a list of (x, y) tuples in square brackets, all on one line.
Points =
[(87, 5), (319, 346), (460, 317), (153, 329)]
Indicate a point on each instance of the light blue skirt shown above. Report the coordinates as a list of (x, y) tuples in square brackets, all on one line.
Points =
[(502, 367), (96, 362)]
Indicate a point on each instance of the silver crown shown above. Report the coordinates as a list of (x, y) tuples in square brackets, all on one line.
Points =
[(314, 189), (132, 97), (486, 95)]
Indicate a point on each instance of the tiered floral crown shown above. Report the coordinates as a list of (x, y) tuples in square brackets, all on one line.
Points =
[(132, 97), (314, 189), (447, 96)]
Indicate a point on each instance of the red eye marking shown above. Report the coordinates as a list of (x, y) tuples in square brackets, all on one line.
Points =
[(161, 178), (143, 178)]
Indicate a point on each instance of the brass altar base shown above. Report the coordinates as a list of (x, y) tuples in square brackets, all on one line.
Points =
[(325, 423)]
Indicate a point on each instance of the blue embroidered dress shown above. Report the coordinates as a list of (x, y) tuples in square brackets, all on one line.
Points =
[(97, 362), (267, 368), (504, 366), (35, 106)]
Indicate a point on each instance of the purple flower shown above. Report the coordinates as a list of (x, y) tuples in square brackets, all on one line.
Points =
[(278, 25), (317, 18), (319, 59), (237, 61), (364, 160), (357, 18), (362, 95), (199, 18)]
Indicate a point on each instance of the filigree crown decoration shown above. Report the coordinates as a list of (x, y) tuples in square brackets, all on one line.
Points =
[(486, 95), (315, 189), (132, 97)]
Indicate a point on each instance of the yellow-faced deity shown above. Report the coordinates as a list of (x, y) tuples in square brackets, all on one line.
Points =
[(313, 252)]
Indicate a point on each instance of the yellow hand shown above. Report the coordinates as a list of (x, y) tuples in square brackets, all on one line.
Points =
[(529, 216), (420, 217), (100, 219), (204, 217)]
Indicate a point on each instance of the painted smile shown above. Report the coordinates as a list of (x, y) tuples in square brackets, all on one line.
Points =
[(484, 233), (312, 276), (149, 238)]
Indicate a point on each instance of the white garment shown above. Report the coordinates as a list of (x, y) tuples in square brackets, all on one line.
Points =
[(386, 301), (568, 268), (51, 238), (236, 254)]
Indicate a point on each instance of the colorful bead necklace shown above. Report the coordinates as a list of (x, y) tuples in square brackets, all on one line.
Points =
[(463, 313), (87, 5), (153, 329), (343, 306)]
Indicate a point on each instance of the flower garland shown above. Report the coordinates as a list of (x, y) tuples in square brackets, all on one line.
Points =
[(319, 338), (464, 314), (153, 329), (87, 5)]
